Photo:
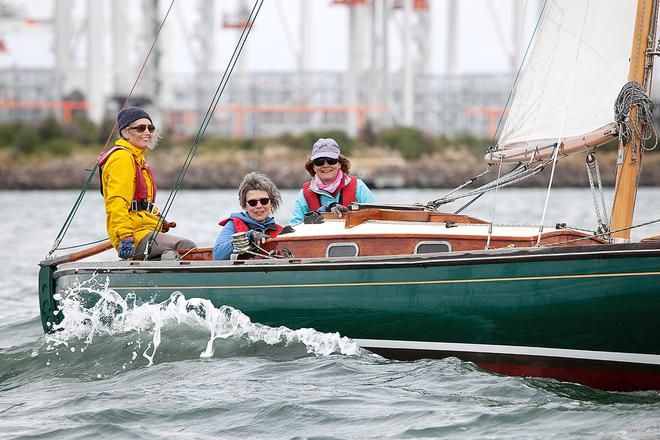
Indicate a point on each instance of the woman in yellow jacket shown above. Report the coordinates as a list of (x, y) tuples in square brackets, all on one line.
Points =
[(129, 190)]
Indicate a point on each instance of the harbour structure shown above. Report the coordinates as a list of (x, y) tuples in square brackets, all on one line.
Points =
[(374, 89)]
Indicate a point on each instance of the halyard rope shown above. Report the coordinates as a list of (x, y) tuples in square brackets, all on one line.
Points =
[(206, 120), (488, 187), (562, 126)]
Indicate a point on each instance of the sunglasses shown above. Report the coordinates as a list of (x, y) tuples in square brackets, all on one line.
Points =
[(319, 161), (140, 128), (265, 201)]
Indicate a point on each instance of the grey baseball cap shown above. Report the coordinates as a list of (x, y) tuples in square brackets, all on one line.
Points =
[(325, 147)]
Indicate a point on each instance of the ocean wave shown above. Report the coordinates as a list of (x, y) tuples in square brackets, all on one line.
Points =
[(102, 327)]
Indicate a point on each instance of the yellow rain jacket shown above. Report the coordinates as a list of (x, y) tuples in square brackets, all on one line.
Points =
[(118, 177)]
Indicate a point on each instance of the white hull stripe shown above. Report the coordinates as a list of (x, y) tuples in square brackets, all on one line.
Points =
[(637, 358)]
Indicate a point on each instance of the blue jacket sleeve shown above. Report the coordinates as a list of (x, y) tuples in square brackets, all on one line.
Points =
[(223, 245), (299, 209), (363, 194)]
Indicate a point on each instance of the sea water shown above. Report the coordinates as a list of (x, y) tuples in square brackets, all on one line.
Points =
[(186, 369)]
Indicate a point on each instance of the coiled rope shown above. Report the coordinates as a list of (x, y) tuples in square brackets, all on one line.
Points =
[(633, 95)]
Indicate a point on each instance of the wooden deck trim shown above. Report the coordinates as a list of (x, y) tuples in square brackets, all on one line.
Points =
[(355, 218)]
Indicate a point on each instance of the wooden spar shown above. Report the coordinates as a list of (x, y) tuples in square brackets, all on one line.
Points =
[(628, 167), (545, 149), (101, 247)]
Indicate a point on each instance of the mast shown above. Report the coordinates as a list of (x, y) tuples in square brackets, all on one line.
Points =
[(628, 165)]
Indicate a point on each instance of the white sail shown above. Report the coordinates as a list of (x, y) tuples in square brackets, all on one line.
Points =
[(575, 70)]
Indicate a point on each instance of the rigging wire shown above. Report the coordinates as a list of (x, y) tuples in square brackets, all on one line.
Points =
[(492, 214), (600, 234), (83, 191), (475, 198), (518, 173), (597, 194), (463, 185), (557, 146), (478, 193), (517, 77), (101, 240), (206, 120)]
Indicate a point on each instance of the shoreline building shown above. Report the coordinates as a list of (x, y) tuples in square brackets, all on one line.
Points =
[(386, 79)]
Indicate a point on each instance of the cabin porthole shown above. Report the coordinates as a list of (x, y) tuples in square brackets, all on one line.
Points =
[(348, 249), (431, 247)]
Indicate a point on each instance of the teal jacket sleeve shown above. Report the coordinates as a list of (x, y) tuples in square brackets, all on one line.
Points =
[(223, 243), (363, 194), (299, 209)]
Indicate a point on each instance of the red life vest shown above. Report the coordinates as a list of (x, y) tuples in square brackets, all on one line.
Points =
[(141, 189), (347, 194), (241, 226)]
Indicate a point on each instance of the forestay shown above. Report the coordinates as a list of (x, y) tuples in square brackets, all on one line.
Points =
[(568, 86)]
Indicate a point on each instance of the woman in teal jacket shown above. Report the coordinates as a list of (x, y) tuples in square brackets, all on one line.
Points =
[(331, 187)]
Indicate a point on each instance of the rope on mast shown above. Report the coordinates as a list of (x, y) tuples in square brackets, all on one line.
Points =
[(633, 95)]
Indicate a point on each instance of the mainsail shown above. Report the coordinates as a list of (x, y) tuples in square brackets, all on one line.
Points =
[(567, 89)]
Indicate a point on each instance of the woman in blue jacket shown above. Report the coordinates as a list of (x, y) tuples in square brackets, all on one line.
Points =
[(259, 197)]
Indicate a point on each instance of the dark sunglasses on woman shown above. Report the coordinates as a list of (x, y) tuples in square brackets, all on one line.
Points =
[(140, 128), (319, 161), (265, 201)]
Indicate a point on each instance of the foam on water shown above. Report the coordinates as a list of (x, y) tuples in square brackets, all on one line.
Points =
[(91, 312)]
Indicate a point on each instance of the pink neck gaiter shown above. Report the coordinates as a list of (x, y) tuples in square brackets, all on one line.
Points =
[(332, 186)]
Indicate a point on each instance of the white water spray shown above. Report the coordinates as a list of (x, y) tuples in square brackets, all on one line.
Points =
[(114, 315)]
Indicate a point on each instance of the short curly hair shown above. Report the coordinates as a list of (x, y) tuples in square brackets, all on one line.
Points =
[(260, 182)]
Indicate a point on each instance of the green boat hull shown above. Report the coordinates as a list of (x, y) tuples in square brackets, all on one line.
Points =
[(569, 303)]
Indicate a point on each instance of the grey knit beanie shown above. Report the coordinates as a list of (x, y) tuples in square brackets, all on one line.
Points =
[(128, 115)]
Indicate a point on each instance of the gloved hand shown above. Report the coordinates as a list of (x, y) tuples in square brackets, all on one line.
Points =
[(167, 226), (126, 247), (257, 238), (337, 209), (313, 217)]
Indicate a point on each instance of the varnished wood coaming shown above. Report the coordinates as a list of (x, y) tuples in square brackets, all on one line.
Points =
[(354, 218), (404, 244), (306, 247)]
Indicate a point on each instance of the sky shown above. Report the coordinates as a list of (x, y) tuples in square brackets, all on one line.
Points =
[(484, 29)]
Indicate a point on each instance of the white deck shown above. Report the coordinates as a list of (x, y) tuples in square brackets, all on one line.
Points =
[(379, 227)]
